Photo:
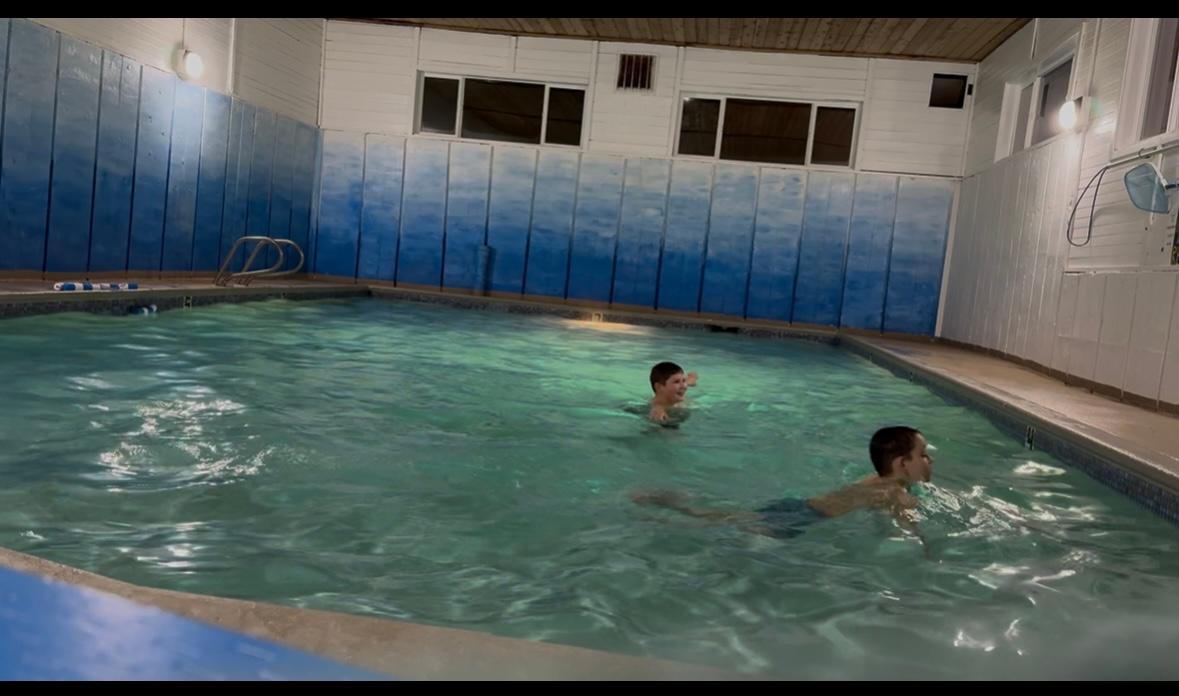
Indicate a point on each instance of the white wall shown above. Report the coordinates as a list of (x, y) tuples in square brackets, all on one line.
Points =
[(1010, 62), (370, 83), (1122, 236), (278, 65), (1050, 32), (366, 87), (1008, 253), (774, 75), (154, 41), (899, 131), (275, 62), (628, 122), (554, 59), (1104, 312)]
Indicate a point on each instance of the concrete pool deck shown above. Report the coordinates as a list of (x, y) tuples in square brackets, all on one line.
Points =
[(1133, 449)]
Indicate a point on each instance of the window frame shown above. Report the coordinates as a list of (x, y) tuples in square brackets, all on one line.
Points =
[(1066, 51), (419, 104), (857, 107), (1144, 34)]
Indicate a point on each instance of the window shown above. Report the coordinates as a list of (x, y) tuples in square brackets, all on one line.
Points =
[(764, 131), (947, 91), (1053, 95), (634, 71), (833, 135), (1031, 110), (1022, 115), (509, 111), (698, 125), (1160, 91), (758, 130), (502, 110), (439, 105), (1147, 112), (564, 120)]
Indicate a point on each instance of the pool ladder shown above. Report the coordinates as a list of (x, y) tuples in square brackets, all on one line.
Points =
[(245, 275)]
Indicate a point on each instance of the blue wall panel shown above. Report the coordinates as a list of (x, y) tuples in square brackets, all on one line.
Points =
[(818, 291), (918, 251), (156, 96), (75, 135), (261, 174), (281, 182), (780, 199), (466, 213), (5, 25), (237, 179), (553, 203), (27, 146), (381, 221), (509, 215), (595, 228), (423, 212), (730, 240), (114, 173), (869, 240), (640, 232), (183, 170), (339, 214), (683, 243), (303, 194), (210, 200)]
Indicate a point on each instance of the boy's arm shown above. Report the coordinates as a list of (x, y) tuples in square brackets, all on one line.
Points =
[(679, 502), (691, 378), (901, 512)]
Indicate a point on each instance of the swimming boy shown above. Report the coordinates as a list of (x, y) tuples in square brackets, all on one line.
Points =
[(670, 385), (900, 457)]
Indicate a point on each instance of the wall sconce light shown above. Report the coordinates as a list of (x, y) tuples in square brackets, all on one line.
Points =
[(1070, 114), (189, 65)]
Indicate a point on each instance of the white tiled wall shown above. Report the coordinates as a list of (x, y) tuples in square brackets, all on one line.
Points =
[(1104, 311), (1153, 298)]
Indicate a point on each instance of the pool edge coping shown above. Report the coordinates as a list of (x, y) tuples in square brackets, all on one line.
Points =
[(392, 647)]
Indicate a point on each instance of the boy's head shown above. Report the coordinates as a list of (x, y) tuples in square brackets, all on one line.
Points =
[(669, 382), (901, 451)]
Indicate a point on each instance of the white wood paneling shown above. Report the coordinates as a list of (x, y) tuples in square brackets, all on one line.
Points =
[(1153, 300), (899, 131), (776, 75), (277, 65), (1009, 62), (154, 41), (1117, 316), (369, 78), (627, 121)]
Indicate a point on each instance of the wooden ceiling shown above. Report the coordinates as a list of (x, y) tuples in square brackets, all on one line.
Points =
[(948, 39)]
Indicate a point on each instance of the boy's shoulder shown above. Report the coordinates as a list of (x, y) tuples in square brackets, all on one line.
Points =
[(872, 491)]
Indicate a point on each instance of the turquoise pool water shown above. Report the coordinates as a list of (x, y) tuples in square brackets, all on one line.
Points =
[(471, 469)]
